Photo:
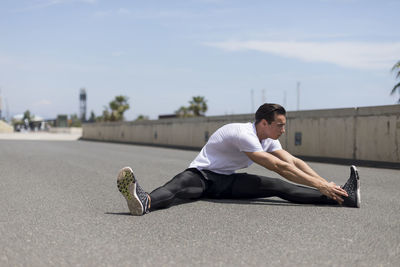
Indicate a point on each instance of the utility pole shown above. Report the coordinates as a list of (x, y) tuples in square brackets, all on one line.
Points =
[(284, 99), (263, 96), (252, 100), (7, 111), (298, 95)]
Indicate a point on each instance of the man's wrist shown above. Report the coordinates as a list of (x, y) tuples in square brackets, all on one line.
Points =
[(320, 184)]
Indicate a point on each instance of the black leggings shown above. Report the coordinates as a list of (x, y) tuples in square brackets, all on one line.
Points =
[(194, 184)]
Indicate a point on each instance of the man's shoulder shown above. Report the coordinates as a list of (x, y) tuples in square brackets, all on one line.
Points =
[(237, 129), (234, 131), (241, 126)]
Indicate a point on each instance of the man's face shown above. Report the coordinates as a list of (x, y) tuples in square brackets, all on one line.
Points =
[(276, 128)]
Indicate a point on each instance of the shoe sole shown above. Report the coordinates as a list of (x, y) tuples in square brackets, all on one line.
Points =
[(358, 195), (126, 183)]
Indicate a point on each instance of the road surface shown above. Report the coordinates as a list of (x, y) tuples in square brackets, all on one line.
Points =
[(59, 206)]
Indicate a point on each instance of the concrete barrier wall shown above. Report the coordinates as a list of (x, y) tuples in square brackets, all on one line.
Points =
[(66, 130), (190, 132), (368, 133), (5, 127)]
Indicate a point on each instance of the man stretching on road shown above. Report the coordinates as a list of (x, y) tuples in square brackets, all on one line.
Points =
[(236, 146)]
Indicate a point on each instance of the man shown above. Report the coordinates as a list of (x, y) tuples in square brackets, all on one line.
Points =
[(236, 146)]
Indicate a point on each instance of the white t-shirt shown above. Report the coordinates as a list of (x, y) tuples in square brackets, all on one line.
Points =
[(224, 151)]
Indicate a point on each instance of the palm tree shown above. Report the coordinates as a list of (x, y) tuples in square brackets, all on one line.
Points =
[(118, 106), (27, 116), (26, 120), (397, 86), (92, 117), (198, 105), (183, 112), (142, 117)]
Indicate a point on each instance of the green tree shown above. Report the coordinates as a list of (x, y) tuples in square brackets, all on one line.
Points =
[(396, 67), (92, 117), (118, 106), (142, 117), (115, 110), (27, 116), (198, 105), (74, 121), (183, 112), (105, 116)]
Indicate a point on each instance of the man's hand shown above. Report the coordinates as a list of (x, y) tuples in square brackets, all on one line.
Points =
[(283, 163), (333, 191)]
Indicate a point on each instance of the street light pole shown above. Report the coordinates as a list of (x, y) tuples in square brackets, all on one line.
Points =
[(298, 95)]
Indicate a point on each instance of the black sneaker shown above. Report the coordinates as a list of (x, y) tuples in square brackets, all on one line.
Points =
[(352, 187), (136, 197)]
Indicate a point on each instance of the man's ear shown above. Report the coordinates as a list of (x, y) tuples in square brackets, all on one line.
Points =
[(264, 122)]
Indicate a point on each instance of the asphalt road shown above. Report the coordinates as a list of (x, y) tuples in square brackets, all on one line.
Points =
[(59, 206)]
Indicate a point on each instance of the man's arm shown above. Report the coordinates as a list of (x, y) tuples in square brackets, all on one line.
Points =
[(295, 174), (289, 158)]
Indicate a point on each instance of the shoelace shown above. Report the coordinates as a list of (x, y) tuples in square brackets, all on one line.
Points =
[(350, 185), (143, 197)]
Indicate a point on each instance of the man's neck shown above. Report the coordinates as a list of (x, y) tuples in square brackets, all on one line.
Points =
[(258, 131)]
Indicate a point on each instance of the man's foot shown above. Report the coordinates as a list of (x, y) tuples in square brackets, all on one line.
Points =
[(352, 187), (136, 197)]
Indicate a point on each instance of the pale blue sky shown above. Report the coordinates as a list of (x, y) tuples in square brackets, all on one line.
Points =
[(161, 53)]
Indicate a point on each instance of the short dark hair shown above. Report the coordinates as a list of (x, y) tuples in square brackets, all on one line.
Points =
[(267, 111)]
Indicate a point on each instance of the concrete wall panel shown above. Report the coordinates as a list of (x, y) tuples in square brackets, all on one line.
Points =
[(368, 133), (325, 137), (378, 138)]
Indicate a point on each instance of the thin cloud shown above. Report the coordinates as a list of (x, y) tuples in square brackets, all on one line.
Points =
[(43, 102), (356, 55), (124, 11), (49, 3), (55, 2), (102, 13), (117, 53), (47, 66), (108, 13)]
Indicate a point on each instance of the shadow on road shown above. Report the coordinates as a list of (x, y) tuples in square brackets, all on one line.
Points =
[(118, 213), (263, 201), (256, 201)]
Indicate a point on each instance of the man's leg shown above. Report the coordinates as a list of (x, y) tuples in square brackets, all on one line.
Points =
[(188, 184), (255, 186)]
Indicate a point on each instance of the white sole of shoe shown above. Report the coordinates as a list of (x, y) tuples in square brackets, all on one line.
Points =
[(126, 183), (358, 186)]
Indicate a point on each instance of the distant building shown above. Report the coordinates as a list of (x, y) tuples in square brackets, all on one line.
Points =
[(62, 121), (167, 116), (36, 123)]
